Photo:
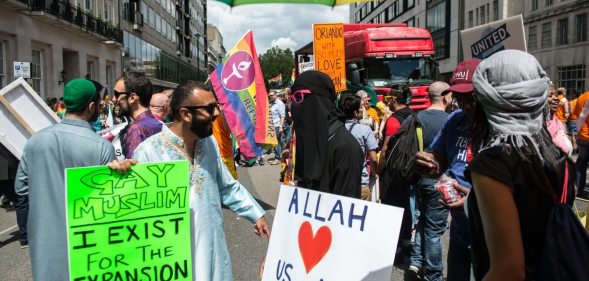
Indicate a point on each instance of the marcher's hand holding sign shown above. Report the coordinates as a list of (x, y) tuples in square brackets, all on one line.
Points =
[(122, 166), (260, 227)]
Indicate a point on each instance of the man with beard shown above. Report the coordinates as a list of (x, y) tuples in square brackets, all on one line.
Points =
[(194, 109), (133, 93), (328, 157), (71, 143)]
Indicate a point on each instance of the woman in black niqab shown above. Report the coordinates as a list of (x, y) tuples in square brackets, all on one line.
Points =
[(328, 157)]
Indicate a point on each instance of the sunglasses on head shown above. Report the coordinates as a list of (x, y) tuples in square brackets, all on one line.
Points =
[(209, 108), (299, 96)]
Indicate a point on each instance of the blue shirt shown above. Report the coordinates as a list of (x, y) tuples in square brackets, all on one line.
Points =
[(452, 142), (69, 144), (278, 110), (367, 141)]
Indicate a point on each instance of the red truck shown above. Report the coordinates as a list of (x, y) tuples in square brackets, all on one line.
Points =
[(385, 56)]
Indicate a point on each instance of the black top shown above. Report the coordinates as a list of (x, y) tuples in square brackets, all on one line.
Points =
[(531, 188)]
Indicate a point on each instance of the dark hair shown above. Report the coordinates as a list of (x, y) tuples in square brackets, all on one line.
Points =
[(182, 93), (99, 88), (349, 104), (138, 83)]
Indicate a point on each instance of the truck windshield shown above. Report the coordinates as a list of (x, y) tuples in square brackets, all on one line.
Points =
[(382, 72)]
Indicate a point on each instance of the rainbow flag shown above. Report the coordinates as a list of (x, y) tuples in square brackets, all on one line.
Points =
[(276, 79), (239, 86)]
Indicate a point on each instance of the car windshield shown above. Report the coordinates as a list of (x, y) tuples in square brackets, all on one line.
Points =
[(387, 72)]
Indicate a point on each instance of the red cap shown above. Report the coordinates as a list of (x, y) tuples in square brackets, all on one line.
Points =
[(461, 81)]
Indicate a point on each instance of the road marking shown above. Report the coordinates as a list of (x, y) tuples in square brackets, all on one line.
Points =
[(8, 229)]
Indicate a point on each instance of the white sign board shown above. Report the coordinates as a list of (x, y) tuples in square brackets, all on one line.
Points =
[(483, 41), (22, 69), (22, 113), (320, 236), (113, 135), (306, 66)]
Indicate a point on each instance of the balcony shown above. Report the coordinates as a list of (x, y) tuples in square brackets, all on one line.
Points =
[(64, 14)]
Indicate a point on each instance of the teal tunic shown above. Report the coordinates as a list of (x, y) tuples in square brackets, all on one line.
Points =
[(71, 143), (211, 184)]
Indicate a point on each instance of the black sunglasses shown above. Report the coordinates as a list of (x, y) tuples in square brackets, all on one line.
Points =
[(209, 108), (117, 93)]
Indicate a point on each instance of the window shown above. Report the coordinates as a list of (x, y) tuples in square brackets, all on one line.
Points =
[(2, 66), (37, 72), (411, 22), (581, 27), (470, 19), (483, 15), (562, 37), (532, 38), (547, 35), (89, 5), (108, 12), (410, 4), (91, 69), (478, 21), (436, 17), (534, 5), (548, 3), (572, 77), (495, 10)]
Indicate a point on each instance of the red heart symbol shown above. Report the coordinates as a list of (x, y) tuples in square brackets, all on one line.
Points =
[(313, 248)]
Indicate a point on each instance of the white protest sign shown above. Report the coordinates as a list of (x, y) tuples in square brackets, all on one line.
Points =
[(306, 66), (22, 113), (483, 41), (22, 69), (321, 236), (113, 135)]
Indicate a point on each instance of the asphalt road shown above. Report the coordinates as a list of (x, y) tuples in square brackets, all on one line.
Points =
[(246, 249)]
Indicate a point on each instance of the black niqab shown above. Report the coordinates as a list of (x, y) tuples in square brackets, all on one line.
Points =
[(315, 120)]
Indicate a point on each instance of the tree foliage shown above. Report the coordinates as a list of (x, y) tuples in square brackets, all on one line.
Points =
[(274, 62)]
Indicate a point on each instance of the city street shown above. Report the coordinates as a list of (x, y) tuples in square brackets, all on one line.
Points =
[(246, 249)]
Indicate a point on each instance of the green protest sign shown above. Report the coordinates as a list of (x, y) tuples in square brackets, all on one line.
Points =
[(134, 226)]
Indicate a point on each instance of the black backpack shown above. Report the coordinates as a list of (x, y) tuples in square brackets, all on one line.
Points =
[(566, 245), (399, 171)]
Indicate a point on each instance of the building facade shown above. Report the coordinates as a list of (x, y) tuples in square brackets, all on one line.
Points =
[(61, 40), (216, 51), (556, 33), (166, 39), (441, 17)]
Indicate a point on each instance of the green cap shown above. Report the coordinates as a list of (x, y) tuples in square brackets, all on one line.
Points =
[(78, 94)]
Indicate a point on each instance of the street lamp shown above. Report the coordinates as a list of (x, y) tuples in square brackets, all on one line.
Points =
[(197, 56)]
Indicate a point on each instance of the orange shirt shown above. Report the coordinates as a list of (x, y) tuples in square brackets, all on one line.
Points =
[(577, 109)]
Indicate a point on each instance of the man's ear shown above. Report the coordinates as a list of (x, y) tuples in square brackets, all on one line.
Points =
[(91, 107)]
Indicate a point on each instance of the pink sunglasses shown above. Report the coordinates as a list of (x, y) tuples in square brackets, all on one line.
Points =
[(299, 96)]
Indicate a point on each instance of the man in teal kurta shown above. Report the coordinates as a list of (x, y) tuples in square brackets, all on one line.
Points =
[(71, 143), (194, 110)]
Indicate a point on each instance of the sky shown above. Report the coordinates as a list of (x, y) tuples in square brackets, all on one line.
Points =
[(282, 25)]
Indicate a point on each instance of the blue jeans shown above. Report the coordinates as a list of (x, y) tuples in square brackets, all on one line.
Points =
[(286, 135), (431, 225), (278, 146), (581, 164)]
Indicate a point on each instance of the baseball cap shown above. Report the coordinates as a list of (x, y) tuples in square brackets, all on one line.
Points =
[(461, 81), (77, 94)]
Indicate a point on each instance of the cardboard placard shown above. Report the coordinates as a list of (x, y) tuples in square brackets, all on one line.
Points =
[(483, 41), (329, 52), (321, 236), (134, 226), (22, 113)]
